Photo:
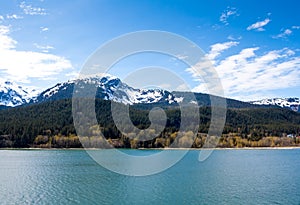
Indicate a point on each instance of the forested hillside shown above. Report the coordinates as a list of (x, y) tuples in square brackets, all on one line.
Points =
[(50, 124)]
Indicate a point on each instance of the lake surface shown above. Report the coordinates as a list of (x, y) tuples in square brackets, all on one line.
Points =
[(226, 177)]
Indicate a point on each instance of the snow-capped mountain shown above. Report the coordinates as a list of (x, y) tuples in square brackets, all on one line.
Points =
[(292, 103), (108, 88), (112, 88), (12, 94)]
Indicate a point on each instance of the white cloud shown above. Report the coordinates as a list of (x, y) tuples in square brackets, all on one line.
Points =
[(44, 49), (14, 16), (232, 38), (217, 49), (30, 10), (1, 18), (6, 42), (21, 66), (44, 29), (259, 25), (248, 75), (226, 14), (284, 34), (287, 32)]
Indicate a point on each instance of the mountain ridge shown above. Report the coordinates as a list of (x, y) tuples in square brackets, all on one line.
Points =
[(108, 88), (46, 120), (112, 88)]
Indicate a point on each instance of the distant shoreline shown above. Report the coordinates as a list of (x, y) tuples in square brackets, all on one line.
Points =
[(225, 148), (145, 149)]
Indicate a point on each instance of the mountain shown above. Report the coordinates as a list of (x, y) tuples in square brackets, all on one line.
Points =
[(12, 95), (112, 88), (47, 119), (205, 100), (108, 88), (291, 103)]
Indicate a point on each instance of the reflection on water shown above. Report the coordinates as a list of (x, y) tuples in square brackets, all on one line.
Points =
[(227, 177)]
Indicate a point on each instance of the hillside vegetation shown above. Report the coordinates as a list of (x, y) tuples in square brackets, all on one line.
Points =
[(50, 125)]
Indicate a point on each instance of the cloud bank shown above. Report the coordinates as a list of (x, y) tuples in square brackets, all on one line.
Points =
[(22, 66), (247, 75)]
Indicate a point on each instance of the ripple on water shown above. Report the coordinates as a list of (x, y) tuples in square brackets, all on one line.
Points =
[(227, 177)]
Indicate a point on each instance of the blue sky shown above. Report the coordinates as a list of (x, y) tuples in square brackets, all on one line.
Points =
[(253, 45)]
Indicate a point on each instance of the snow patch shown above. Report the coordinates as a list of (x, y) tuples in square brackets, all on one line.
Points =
[(292, 103)]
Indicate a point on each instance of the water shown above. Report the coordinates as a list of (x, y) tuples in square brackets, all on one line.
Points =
[(226, 177)]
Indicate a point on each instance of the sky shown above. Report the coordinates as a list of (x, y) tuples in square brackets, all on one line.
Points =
[(254, 45)]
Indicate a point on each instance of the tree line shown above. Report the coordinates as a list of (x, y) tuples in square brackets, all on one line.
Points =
[(50, 125)]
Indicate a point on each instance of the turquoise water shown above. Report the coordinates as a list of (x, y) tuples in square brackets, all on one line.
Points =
[(226, 177)]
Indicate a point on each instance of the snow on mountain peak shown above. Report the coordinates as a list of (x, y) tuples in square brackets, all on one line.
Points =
[(292, 103), (109, 88), (12, 94)]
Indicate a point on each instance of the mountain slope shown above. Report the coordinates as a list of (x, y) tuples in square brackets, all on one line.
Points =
[(204, 100), (20, 126), (12, 95), (112, 88), (108, 88)]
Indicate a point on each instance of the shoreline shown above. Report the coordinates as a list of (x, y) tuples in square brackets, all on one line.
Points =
[(168, 148), (226, 148)]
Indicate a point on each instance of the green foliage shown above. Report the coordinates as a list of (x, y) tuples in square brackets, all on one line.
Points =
[(50, 124)]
